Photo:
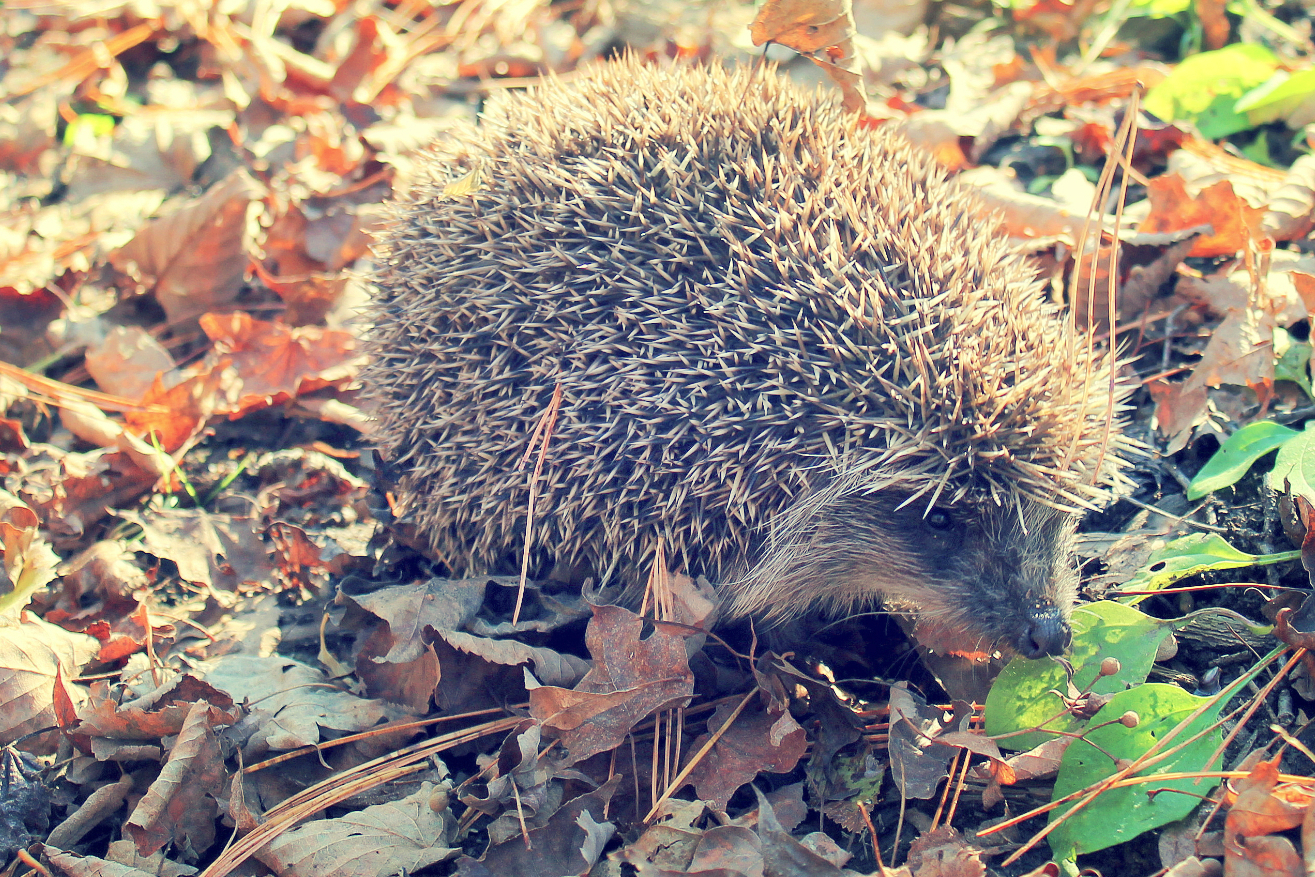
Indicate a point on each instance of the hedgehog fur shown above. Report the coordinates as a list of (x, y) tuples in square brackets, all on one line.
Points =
[(788, 349)]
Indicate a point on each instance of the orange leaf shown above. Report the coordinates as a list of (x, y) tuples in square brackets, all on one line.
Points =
[(1236, 223)]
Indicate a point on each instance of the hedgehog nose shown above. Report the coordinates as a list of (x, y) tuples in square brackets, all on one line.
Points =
[(1046, 635)]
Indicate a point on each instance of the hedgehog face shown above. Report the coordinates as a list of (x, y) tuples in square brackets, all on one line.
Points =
[(979, 577), (1003, 575)]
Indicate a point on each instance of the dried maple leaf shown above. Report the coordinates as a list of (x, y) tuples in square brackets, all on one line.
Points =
[(172, 416), (1237, 225), (72, 492), (758, 740), (632, 678), (272, 363), (1290, 213), (211, 549), (295, 704)]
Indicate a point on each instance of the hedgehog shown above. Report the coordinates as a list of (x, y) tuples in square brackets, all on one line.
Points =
[(702, 315)]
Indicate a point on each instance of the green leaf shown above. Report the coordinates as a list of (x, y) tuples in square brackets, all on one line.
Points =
[(1278, 98), (1118, 815), (1158, 8), (1024, 695), (89, 125), (1189, 555), (1237, 454), (1292, 358), (1204, 88), (1294, 470)]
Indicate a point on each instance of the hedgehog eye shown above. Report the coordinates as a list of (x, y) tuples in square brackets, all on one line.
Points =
[(939, 520), (812, 28)]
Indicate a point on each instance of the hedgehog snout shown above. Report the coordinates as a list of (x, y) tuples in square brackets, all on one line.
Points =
[(1019, 584), (1046, 634)]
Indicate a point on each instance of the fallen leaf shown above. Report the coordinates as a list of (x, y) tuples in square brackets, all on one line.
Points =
[(632, 678), (758, 740), (33, 655), (1236, 224), (398, 837), (273, 363), (180, 806), (193, 258), (811, 27), (218, 551)]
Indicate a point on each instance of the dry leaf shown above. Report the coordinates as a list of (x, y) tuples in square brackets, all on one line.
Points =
[(632, 678), (180, 805), (811, 27), (33, 654), (194, 257), (1236, 224), (1290, 213), (398, 837), (758, 740)]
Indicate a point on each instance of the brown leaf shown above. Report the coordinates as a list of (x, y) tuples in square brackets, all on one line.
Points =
[(632, 678), (155, 715), (274, 363), (782, 854), (73, 865), (945, 853), (917, 764), (807, 26), (675, 846), (557, 668), (180, 805), (1237, 225), (1215, 25), (442, 604), (813, 26), (214, 550), (470, 682), (295, 554), (172, 416), (758, 740), (410, 684), (128, 361), (305, 258), (33, 656), (366, 54), (569, 844), (295, 705), (72, 492), (1263, 806), (193, 259)]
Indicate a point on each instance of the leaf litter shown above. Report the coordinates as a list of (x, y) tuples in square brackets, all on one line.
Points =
[(218, 644)]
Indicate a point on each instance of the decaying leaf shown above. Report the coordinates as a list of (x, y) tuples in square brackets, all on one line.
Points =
[(632, 678), (193, 258), (393, 838), (180, 806), (759, 739), (33, 655), (821, 30)]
